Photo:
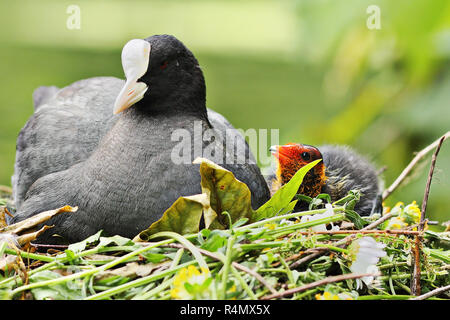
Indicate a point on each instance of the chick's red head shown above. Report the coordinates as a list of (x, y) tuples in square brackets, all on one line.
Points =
[(293, 156)]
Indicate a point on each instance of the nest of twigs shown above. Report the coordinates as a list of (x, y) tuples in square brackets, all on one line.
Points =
[(281, 255)]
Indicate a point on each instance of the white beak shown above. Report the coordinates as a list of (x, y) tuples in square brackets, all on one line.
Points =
[(273, 149), (135, 60)]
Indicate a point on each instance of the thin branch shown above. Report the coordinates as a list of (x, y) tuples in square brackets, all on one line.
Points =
[(256, 275), (381, 170), (6, 189), (320, 283), (415, 281), (50, 246), (411, 165), (432, 293), (379, 221), (427, 188), (416, 272), (362, 231)]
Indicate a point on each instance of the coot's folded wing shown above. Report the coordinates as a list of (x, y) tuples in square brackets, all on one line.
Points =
[(65, 128)]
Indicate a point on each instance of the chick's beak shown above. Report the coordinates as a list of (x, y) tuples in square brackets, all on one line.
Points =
[(281, 153), (135, 61), (273, 150)]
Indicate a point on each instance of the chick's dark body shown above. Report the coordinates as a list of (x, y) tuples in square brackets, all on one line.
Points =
[(347, 170)]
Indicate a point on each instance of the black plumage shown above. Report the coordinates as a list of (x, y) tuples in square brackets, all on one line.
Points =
[(347, 170), (118, 169)]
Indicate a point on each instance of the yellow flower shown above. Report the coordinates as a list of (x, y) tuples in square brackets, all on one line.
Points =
[(327, 296), (270, 226), (330, 296), (406, 216), (191, 284)]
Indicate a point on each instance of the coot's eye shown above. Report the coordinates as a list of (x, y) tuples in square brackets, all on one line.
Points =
[(163, 65), (306, 156)]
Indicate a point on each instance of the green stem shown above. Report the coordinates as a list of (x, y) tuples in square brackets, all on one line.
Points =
[(138, 282), (286, 216), (274, 244), (88, 272), (57, 261), (304, 225), (401, 285), (272, 270), (166, 282), (3, 246), (197, 255), (343, 200), (408, 275), (142, 281), (305, 294), (333, 248), (288, 270), (29, 255), (226, 267), (437, 255), (392, 265), (262, 293), (243, 283)]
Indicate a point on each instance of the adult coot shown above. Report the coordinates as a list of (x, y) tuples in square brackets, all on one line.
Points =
[(341, 170), (124, 171)]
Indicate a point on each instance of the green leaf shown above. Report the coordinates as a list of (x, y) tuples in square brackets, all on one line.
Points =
[(182, 217), (356, 219), (60, 291), (318, 201), (289, 208), (240, 222), (216, 239), (80, 246), (118, 240), (154, 257), (72, 259), (303, 197), (225, 193), (281, 199)]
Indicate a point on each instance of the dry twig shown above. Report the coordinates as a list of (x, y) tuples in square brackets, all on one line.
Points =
[(415, 281), (6, 189), (433, 293), (411, 165)]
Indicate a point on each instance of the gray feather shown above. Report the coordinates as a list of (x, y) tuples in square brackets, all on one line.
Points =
[(42, 94)]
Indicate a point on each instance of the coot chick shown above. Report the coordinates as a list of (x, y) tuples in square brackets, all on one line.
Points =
[(130, 178), (341, 170)]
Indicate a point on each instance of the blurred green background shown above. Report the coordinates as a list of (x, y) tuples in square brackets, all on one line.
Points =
[(311, 68)]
